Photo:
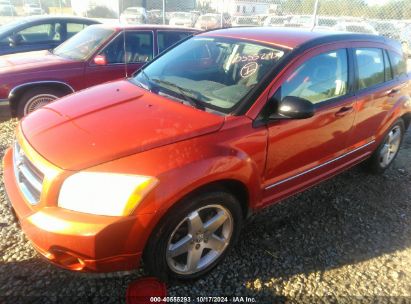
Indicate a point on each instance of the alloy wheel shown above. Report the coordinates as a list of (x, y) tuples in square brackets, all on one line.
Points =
[(391, 147), (199, 239)]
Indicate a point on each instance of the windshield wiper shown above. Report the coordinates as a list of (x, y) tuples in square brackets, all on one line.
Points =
[(183, 92)]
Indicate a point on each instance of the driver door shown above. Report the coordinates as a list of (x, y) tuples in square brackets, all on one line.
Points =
[(138, 49), (43, 36), (301, 151)]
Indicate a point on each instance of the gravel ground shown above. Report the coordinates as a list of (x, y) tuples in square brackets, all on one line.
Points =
[(347, 240)]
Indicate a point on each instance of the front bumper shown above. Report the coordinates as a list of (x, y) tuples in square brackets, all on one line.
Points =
[(5, 110), (78, 241)]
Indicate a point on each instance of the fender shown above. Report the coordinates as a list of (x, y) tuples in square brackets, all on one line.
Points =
[(16, 90), (401, 107)]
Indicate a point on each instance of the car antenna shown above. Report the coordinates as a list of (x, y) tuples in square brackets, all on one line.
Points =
[(124, 41), (125, 53)]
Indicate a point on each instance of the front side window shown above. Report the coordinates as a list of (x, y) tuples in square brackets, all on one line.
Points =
[(84, 44), (74, 28), (370, 64), (40, 33), (166, 39), (399, 64), (138, 48), (212, 72), (320, 78)]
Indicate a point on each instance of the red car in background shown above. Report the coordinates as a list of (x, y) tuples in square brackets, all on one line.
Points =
[(95, 55)]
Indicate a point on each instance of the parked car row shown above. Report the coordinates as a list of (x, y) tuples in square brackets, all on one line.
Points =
[(97, 54), (387, 28), (166, 165)]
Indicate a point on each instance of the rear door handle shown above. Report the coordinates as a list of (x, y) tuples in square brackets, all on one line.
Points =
[(393, 92), (344, 111)]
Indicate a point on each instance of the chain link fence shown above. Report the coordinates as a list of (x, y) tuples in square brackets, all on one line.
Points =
[(391, 18)]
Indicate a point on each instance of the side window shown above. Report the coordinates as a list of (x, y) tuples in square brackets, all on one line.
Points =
[(320, 78), (74, 28), (387, 65), (370, 64), (41, 33), (138, 48), (399, 65), (4, 41), (165, 39)]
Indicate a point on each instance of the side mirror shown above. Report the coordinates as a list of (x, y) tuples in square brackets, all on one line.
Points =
[(15, 40), (100, 60), (292, 107)]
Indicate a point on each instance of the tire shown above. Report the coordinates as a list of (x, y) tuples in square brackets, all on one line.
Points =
[(36, 98), (384, 155), (164, 258)]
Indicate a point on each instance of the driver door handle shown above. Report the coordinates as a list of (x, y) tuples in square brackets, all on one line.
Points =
[(344, 111)]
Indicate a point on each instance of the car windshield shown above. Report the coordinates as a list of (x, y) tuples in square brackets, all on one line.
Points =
[(181, 15), (134, 10), (82, 45), (209, 72), (8, 26), (209, 18)]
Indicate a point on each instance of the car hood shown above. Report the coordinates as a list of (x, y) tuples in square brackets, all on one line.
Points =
[(32, 61), (111, 121)]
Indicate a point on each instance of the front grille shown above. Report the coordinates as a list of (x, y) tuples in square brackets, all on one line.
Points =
[(29, 178)]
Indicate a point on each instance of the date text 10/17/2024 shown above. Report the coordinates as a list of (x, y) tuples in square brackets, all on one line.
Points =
[(234, 299)]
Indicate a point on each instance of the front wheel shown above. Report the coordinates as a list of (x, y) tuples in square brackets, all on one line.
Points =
[(385, 154), (194, 237), (35, 99)]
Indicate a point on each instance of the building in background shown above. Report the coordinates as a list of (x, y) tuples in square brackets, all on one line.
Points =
[(239, 7)]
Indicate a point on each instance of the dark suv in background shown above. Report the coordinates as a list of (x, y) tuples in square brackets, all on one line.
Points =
[(39, 33)]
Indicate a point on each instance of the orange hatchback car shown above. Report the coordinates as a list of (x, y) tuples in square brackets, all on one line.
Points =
[(165, 166)]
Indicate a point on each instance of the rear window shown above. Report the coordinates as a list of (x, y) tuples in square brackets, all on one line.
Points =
[(370, 64)]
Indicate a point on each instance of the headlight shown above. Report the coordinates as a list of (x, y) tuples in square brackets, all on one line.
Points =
[(104, 193)]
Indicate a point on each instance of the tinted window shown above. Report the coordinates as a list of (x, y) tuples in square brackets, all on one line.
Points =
[(138, 48), (74, 28), (388, 71), (41, 33), (4, 41), (166, 39), (370, 67), (399, 64), (318, 79)]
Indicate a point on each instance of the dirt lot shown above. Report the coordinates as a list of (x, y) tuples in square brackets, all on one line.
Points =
[(346, 240)]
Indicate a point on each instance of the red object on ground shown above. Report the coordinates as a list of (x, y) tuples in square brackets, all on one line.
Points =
[(143, 290)]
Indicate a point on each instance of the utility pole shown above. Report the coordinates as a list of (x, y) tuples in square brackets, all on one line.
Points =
[(316, 4), (164, 11)]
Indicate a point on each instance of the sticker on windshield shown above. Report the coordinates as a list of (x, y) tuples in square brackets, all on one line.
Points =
[(249, 69), (263, 56)]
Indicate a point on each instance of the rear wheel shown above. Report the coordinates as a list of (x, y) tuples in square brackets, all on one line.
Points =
[(195, 237), (36, 98), (383, 157)]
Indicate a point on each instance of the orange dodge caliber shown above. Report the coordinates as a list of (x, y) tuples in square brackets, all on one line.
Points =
[(166, 165)]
